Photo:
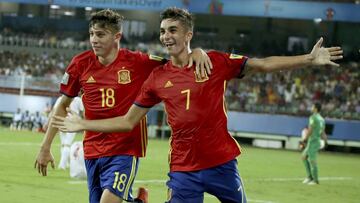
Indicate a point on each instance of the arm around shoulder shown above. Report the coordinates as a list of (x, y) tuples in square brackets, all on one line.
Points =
[(116, 124)]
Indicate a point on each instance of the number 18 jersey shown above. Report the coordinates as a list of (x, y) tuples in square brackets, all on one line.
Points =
[(109, 91)]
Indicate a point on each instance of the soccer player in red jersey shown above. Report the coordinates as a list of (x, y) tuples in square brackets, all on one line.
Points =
[(110, 78), (203, 154)]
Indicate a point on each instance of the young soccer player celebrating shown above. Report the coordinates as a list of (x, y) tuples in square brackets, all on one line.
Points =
[(110, 79), (203, 154)]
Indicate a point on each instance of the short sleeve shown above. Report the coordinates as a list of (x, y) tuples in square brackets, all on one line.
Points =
[(311, 121), (70, 83), (228, 65), (150, 62), (236, 64), (147, 96)]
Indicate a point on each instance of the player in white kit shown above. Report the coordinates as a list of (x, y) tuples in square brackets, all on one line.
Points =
[(67, 138)]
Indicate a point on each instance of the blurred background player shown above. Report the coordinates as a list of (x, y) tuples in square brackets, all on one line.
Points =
[(17, 119), (26, 121), (66, 139), (77, 162), (37, 122), (313, 135)]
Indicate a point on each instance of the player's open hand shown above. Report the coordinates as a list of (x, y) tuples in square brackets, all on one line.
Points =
[(202, 61), (70, 123), (325, 56), (42, 160)]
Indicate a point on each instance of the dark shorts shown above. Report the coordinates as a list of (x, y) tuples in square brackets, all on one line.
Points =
[(222, 181), (115, 173)]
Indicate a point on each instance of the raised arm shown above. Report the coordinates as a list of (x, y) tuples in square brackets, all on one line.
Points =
[(44, 156), (124, 123), (318, 56)]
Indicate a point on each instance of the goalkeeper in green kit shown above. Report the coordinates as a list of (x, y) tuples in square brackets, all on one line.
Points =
[(316, 131)]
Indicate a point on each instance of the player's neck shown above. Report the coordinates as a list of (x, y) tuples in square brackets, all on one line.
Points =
[(109, 58), (182, 59)]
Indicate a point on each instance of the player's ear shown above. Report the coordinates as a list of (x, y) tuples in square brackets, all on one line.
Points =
[(118, 36), (189, 36)]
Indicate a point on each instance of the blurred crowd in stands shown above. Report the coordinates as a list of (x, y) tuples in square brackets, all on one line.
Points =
[(338, 89), (30, 121)]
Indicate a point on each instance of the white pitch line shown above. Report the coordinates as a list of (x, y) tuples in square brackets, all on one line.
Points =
[(297, 179), (245, 180), (164, 181), (249, 200), (23, 144)]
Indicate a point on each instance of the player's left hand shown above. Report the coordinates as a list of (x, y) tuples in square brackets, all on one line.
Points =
[(202, 61), (325, 56), (42, 160)]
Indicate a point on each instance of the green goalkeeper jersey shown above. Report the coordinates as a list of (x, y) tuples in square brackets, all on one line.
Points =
[(317, 123)]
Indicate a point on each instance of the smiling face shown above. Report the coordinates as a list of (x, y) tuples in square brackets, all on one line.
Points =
[(174, 36), (103, 40)]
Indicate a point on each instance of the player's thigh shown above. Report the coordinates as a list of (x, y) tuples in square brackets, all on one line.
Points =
[(312, 154), (225, 183), (185, 187), (117, 175), (93, 180), (109, 197), (305, 153)]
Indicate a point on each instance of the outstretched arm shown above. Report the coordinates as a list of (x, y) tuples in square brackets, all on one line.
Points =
[(124, 123), (318, 56), (44, 156)]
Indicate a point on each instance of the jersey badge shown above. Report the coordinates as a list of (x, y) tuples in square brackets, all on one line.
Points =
[(168, 84), (198, 79), (155, 58), (91, 80), (235, 56), (65, 79), (124, 76)]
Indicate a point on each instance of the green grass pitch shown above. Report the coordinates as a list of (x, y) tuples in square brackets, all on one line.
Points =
[(268, 175)]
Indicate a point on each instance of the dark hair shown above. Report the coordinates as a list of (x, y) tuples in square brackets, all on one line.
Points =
[(107, 19), (317, 106), (179, 14)]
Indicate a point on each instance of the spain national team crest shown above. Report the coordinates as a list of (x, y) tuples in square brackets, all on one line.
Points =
[(124, 76), (198, 79)]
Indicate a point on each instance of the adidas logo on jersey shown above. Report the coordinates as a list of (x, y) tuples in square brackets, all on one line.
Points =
[(168, 84), (91, 80)]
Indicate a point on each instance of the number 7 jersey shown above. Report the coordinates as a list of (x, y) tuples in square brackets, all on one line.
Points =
[(196, 111), (109, 91)]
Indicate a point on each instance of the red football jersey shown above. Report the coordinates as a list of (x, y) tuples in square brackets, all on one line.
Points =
[(109, 91), (196, 111)]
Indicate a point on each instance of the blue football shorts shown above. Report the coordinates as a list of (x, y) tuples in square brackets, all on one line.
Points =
[(115, 173), (222, 181)]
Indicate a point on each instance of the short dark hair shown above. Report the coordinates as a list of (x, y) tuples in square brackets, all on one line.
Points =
[(107, 19), (182, 15), (317, 106)]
